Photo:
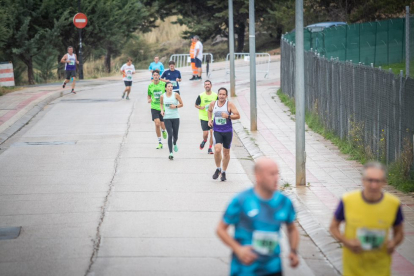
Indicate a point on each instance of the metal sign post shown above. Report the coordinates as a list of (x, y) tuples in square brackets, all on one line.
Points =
[(300, 96), (80, 21), (407, 41), (231, 49), (252, 50)]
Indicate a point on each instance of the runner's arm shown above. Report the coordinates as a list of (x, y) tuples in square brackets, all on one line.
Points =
[(234, 112), (162, 103), (398, 237), (64, 59), (354, 245), (210, 110), (178, 97), (293, 236)]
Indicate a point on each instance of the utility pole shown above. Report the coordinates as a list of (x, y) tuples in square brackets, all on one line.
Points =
[(300, 96), (231, 48), (252, 50), (80, 47), (407, 41)]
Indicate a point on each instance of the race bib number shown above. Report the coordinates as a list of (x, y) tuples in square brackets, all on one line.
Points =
[(206, 107), (157, 95), (220, 121), (72, 62), (265, 243), (129, 75), (174, 83), (371, 239)]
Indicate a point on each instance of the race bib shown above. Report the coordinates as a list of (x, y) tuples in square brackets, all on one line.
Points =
[(157, 95), (265, 243), (371, 239), (129, 75), (206, 107), (174, 83), (220, 121), (72, 62)]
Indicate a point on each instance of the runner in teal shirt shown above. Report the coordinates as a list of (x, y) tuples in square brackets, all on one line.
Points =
[(156, 65)]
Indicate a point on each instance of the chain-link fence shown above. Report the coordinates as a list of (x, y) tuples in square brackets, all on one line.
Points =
[(379, 42), (372, 108)]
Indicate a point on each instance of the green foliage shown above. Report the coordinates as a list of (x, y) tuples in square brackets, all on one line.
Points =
[(399, 173), (46, 64)]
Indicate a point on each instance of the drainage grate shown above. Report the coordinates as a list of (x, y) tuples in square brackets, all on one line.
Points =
[(89, 100), (10, 233), (52, 143)]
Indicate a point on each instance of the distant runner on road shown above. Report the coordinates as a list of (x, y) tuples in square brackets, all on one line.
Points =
[(202, 104), (368, 216), (224, 111), (156, 65), (173, 76), (198, 56), (127, 70), (257, 215), (70, 61), (170, 102), (155, 90)]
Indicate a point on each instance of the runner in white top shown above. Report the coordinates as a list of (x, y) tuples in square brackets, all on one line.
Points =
[(198, 55), (127, 71), (70, 61)]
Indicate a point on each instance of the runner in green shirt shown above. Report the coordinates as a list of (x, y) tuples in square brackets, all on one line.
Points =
[(155, 90)]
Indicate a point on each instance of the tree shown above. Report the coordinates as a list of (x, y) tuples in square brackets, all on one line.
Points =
[(32, 24), (210, 18)]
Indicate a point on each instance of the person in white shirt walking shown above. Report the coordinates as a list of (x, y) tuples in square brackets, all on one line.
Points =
[(198, 56), (127, 71)]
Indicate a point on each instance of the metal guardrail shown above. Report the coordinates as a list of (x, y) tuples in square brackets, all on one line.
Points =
[(243, 63), (184, 60)]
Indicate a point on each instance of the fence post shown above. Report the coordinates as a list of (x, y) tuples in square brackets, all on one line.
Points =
[(407, 41)]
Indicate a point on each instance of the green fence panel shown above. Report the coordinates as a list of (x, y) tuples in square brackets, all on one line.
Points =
[(352, 42), (335, 42), (381, 51), (396, 40), (307, 39), (367, 42)]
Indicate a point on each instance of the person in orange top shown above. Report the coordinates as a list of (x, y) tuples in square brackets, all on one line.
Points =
[(192, 52)]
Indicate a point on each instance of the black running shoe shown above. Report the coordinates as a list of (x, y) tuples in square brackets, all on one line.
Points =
[(199, 78), (64, 84), (202, 144), (216, 174), (73, 91), (223, 176), (193, 78), (210, 151)]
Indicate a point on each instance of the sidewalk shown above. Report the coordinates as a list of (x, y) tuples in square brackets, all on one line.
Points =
[(329, 173)]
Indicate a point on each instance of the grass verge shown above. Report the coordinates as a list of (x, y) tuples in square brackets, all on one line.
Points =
[(6, 89), (398, 175)]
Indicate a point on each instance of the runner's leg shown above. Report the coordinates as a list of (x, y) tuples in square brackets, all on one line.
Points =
[(226, 159), (157, 128), (169, 126), (176, 127), (73, 83), (211, 137), (217, 154)]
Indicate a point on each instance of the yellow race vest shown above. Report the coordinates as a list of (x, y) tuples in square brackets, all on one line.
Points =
[(205, 102), (370, 223)]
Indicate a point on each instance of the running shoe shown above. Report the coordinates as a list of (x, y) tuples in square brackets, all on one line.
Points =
[(123, 95), (127, 98), (193, 78), (171, 157), (159, 146), (210, 151), (216, 174), (175, 148), (73, 91), (223, 176), (164, 134), (64, 84), (199, 78), (202, 144)]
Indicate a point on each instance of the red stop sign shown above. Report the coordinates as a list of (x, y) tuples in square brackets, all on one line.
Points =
[(80, 20)]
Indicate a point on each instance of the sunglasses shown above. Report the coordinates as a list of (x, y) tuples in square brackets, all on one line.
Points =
[(374, 180)]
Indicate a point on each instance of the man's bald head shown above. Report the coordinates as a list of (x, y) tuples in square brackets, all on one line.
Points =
[(267, 174)]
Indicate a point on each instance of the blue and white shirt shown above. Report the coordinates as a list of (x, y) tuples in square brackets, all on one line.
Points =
[(172, 76), (257, 223), (157, 66)]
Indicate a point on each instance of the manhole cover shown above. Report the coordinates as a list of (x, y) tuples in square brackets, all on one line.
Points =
[(10, 233), (52, 143), (89, 100)]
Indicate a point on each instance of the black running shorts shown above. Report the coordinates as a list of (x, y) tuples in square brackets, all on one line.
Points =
[(223, 138), (204, 125), (128, 83), (70, 74), (197, 63), (156, 114)]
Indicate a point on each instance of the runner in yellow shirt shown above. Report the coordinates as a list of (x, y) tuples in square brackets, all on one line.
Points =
[(368, 216)]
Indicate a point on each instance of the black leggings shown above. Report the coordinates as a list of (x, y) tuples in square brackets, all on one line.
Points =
[(172, 126)]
